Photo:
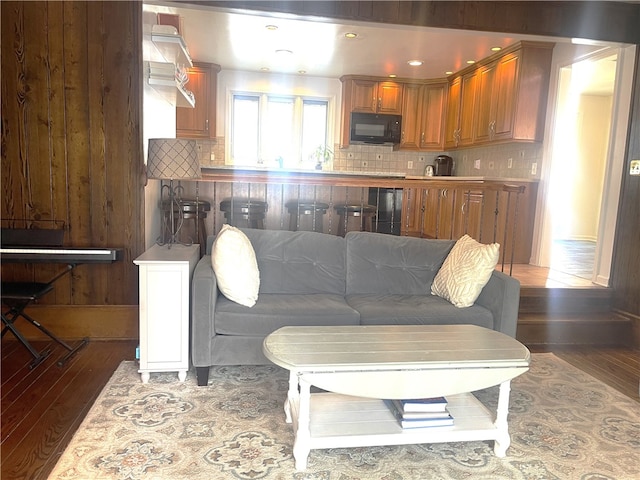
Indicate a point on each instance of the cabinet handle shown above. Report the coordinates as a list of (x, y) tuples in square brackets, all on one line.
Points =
[(206, 124), (379, 103), (463, 207), (422, 138)]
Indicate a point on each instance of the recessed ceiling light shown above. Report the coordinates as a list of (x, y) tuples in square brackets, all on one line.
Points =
[(448, 73), (283, 51), (350, 35), (392, 75), (271, 27), (302, 72), (264, 69), (415, 63), (471, 62), (496, 49)]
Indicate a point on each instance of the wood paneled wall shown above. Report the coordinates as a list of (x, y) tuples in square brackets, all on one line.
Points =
[(71, 138)]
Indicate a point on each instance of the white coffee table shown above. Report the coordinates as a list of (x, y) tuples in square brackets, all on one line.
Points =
[(360, 365)]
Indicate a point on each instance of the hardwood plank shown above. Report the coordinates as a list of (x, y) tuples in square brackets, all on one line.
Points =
[(33, 447)]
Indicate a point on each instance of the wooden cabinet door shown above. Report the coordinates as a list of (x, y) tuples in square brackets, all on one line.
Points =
[(484, 120), (467, 109), (432, 116), (199, 122), (390, 98), (452, 121), (439, 209), (411, 113), (411, 212), (364, 95), (468, 214), (504, 96)]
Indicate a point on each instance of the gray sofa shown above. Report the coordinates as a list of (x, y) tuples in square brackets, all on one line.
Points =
[(311, 278)]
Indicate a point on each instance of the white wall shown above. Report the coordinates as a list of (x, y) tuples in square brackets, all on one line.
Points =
[(159, 121)]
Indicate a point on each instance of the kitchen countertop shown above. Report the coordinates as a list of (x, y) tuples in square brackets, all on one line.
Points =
[(293, 172)]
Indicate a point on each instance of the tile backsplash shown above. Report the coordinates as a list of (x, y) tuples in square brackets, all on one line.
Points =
[(494, 159)]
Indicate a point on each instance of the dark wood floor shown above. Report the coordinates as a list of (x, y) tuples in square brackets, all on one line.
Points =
[(43, 407)]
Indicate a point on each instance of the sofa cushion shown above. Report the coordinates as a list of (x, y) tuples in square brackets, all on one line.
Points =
[(299, 262), (273, 311), (234, 264), (388, 264), (466, 271), (416, 310)]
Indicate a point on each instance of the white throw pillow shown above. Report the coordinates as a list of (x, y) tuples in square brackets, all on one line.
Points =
[(465, 271), (234, 263)]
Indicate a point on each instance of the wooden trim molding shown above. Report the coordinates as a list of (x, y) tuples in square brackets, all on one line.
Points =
[(71, 322)]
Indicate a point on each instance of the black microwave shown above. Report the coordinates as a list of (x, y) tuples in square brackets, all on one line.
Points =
[(375, 128)]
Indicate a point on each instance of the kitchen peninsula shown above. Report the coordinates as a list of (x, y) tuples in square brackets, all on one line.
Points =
[(488, 209)]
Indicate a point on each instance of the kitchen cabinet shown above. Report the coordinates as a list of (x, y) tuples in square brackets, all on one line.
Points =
[(371, 96), (199, 122), (423, 116), (488, 216), (496, 99), (461, 106), (501, 98)]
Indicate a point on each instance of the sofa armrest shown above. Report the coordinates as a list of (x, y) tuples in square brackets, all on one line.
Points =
[(501, 295), (204, 294)]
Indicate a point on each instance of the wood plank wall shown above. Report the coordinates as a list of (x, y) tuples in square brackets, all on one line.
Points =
[(71, 144), (71, 140)]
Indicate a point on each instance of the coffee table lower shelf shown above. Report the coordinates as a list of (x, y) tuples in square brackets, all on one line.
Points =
[(340, 421)]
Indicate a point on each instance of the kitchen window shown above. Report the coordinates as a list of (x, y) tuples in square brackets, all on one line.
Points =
[(277, 130)]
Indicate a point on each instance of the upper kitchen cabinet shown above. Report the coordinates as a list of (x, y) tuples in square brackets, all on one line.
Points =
[(199, 122), (510, 97), (372, 96), (461, 105), (423, 116)]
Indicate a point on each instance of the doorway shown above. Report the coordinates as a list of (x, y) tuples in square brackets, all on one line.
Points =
[(582, 179)]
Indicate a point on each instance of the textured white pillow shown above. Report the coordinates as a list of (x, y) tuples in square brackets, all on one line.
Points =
[(234, 263), (465, 271)]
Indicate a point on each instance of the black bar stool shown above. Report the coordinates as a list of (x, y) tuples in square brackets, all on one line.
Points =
[(189, 209), (359, 215), (306, 215), (246, 213)]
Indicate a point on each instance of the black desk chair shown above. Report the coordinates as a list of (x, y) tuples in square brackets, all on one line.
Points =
[(17, 296)]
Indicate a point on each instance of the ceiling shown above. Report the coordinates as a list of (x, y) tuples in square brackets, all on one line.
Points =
[(241, 41)]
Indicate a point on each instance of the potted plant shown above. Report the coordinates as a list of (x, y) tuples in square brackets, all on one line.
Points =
[(321, 155)]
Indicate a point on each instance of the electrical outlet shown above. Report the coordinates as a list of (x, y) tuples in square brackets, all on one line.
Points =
[(490, 165), (379, 156), (476, 164), (410, 164), (213, 156), (509, 162), (534, 168), (350, 155)]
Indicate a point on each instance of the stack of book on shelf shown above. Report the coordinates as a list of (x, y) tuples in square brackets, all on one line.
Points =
[(421, 412)]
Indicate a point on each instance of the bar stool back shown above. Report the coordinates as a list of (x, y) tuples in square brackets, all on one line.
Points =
[(355, 217), (245, 213), (306, 215), (192, 210)]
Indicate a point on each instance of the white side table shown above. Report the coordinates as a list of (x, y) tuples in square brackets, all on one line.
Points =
[(165, 285)]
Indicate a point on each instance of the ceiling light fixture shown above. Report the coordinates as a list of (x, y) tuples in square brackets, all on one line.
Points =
[(392, 75), (415, 63), (471, 62), (496, 49), (271, 27), (350, 35), (448, 73), (284, 51), (264, 69), (302, 72)]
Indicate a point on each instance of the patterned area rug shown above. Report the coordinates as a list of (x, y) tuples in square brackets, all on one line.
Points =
[(564, 424)]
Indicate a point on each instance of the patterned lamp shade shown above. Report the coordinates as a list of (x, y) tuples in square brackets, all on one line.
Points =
[(172, 158)]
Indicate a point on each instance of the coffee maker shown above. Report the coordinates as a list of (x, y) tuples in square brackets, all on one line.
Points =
[(443, 166)]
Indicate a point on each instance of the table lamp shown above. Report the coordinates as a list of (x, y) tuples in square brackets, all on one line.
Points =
[(172, 159)]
